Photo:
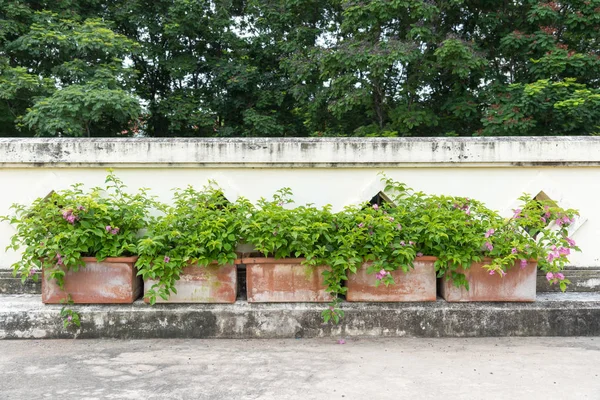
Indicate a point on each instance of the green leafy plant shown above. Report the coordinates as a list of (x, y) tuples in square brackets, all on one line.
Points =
[(56, 231), (201, 228), (460, 231), (276, 230)]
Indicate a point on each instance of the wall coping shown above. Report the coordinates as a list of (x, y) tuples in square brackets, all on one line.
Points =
[(583, 151)]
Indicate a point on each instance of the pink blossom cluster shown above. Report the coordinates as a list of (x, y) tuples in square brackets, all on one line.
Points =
[(465, 207), (69, 216), (564, 221), (59, 260), (113, 230), (555, 277), (558, 252), (382, 274)]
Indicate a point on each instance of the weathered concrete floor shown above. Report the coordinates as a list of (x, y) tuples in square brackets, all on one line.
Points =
[(477, 368)]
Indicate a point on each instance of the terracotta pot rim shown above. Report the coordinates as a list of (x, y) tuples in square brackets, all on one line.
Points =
[(111, 259), (212, 264), (299, 260), (272, 260), (489, 259)]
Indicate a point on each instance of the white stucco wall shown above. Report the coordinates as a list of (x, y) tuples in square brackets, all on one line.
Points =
[(319, 171)]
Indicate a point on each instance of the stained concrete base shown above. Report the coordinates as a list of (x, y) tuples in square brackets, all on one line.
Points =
[(553, 314), (311, 369)]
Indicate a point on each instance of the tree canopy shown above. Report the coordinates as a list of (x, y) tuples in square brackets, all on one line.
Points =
[(299, 67)]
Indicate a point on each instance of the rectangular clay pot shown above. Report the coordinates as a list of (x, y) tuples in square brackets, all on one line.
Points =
[(286, 280), (418, 284), (202, 284), (113, 280), (519, 284)]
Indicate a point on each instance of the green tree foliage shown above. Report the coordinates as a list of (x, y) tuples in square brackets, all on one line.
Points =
[(300, 67)]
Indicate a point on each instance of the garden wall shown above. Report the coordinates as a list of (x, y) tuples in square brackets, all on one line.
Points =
[(320, 171)]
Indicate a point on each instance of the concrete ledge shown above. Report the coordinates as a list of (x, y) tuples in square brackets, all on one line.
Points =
[(12, 285), (300, 152), (575, 314), (582, 280)]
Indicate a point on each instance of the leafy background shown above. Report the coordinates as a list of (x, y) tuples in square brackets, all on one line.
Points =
[(299, 68)]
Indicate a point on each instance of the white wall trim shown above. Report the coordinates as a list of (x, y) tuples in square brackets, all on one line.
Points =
[(580, 151)]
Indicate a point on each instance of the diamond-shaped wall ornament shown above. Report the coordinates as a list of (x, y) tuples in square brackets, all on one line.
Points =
[(231, 191), (372, 193), (547, 190)]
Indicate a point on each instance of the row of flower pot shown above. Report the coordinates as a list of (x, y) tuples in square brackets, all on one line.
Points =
[(115, 280)]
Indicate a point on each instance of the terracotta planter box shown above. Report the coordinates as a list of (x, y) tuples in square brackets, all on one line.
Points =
[(113, 280), (270, 280), (196, 284), (517, 285), (418, 284)]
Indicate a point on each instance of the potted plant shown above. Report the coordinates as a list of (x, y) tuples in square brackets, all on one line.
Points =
[(484, 257), (293, 243), (386, 238), (188, 253), (84, 242)]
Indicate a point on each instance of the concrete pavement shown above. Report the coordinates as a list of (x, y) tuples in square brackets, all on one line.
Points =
[(399, 368)]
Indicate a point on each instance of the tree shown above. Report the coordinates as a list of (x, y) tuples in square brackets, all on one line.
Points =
[(70, 76)]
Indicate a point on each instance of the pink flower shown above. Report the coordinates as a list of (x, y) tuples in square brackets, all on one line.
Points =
[(69, 317), (523, 263), (543, 219), (547, 212), (517, 214), (564, 251), (570, 241), (411, 243), (567, 220), (489, 246), (80, 208), (514, 250), (399, 227), (167, 259), (550, 257), (402, 243), (361, 225), (341, 341), (108, 228), (549, 276), (59, 259), (468, 211), (489, 233), (391, 218), (114, 231), (375, 207), (560, 276), (381, 274), (419, 254), (502, 273), (492, 272)]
